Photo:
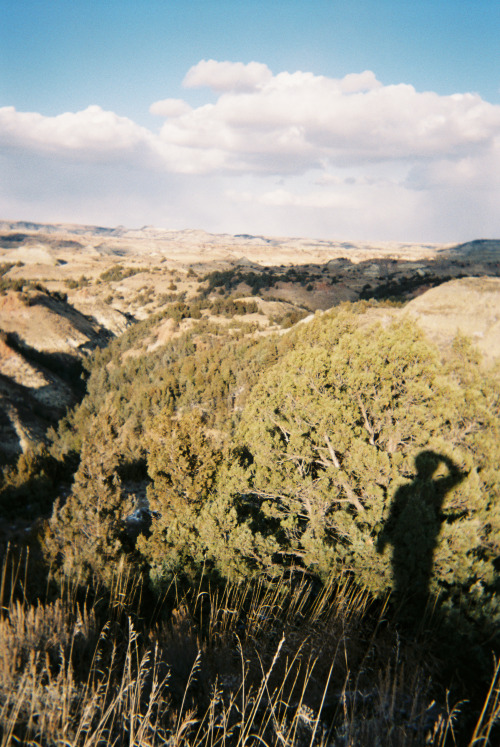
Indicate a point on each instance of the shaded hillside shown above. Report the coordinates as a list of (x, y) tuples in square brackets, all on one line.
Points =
[(44, 342)]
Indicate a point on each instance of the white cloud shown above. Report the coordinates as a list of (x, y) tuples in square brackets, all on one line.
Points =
[(227, 76), (293, 122), (89, 131), (321, 155), (170, 108), (290, 123), (354, 82)]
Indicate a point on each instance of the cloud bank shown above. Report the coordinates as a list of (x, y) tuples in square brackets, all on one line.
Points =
[(287, 153)]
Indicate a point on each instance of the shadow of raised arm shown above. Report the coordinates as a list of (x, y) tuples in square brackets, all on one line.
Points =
[(454, 477), (414, 523)]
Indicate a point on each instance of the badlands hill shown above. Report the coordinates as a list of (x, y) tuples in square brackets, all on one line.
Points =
[(67, 290), (196, 246)]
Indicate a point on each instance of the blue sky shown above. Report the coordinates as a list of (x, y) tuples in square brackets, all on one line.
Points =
[(363, 119)]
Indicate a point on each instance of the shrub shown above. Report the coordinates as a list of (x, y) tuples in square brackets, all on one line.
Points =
[(362, 439), (85, 536)]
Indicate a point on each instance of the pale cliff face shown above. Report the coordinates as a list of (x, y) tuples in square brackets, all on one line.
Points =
[(470, 306)]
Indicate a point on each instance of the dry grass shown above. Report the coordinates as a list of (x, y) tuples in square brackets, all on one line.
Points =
[(246, 664)]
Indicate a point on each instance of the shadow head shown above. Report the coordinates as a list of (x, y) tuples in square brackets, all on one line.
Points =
[(426, 463)]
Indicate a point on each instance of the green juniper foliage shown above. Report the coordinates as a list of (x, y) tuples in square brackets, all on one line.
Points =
[(302, 451), (85, 536), (330, 445)]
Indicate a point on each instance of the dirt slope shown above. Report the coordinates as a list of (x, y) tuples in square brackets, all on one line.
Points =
[(470, 306), (43, 341)]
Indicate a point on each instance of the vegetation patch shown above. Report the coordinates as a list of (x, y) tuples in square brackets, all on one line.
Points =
[(118, 272), (259, 537)]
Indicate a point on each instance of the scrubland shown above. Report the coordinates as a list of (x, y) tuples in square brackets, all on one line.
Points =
[(253, 525)]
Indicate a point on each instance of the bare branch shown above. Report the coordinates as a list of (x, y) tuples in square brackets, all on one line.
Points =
[(282, 429), (351, 495), (365, 419), (332, 453)]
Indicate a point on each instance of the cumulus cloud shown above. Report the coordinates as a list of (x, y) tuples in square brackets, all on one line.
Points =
[(336, 151), (288, 123), (227, 76), (170, 108), (292, 122), (101, 136), (354, 82), (88, 131)]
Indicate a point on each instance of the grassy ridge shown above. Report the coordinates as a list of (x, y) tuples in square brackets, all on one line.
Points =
[(239, 664)]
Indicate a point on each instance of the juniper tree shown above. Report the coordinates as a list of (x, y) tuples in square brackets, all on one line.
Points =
[(87, 532), (331, 433), (183, 458)]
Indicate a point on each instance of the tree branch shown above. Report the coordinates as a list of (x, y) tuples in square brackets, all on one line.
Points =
[(351, 495), (332, 453), (365, 419), (282, 429)]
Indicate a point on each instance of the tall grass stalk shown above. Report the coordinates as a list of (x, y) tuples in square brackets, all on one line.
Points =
[(490, 714), (238, 665)]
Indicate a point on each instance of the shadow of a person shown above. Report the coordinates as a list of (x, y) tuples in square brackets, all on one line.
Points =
[(412, 529)]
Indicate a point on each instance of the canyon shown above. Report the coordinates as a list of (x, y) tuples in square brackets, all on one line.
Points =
[(67, 290)]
